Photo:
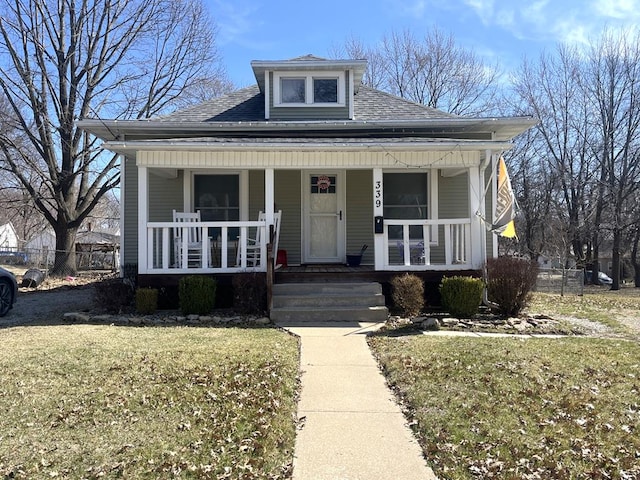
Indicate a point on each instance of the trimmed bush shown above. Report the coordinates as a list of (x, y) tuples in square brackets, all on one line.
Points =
[(250, 293), (510, 281), (113, 296), (146, 300), (461, 296), (197, 294), (408, 294)]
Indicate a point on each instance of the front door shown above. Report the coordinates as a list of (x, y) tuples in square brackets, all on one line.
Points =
[(324, 217)]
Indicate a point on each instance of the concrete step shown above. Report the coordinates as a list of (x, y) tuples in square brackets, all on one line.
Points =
[(335, 314), (318, 302), (328, 301), (326, 288)]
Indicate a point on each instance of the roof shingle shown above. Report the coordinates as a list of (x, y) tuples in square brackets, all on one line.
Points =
[(247, 105)]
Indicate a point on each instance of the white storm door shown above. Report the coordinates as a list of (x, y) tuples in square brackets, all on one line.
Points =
[(324, 217)]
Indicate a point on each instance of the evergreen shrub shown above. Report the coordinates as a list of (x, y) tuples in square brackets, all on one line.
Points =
[(461, 296), (146, 300), (197, 294)]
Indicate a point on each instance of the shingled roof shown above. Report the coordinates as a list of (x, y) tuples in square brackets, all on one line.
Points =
[(247, 105)]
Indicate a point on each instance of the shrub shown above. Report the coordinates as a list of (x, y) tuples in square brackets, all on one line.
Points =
[(249, 293), (509, 283), (408, 294), (197, 294), (146, 300), (113, 296), (461, 296)]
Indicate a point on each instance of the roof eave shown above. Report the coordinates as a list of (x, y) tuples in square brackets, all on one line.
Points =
[(502, 128), (136, 146)]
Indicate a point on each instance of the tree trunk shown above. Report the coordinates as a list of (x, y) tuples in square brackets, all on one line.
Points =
[(615, 267), (65, 259), (634, 259)]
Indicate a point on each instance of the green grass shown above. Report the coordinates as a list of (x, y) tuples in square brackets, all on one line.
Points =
[(91, 401), (520, 409)]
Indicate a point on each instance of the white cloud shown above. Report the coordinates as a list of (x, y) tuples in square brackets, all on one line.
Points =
[(617, 9), (234, 19), (483, 8)]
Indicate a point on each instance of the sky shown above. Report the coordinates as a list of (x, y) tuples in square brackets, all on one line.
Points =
[(501, 31)]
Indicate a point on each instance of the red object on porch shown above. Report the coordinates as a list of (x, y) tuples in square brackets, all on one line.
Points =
[(281, 258)]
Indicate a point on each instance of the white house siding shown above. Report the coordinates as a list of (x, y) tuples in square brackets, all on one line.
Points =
[(359, 214)]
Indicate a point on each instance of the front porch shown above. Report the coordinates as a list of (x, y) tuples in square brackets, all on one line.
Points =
[(403, 245)]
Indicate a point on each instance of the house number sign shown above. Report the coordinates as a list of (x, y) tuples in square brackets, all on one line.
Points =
[(377, 193)]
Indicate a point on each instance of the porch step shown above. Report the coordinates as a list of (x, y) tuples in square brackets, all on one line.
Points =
[(317, 302)]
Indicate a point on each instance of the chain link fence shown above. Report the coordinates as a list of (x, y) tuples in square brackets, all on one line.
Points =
[(561, 281), (88, 258)]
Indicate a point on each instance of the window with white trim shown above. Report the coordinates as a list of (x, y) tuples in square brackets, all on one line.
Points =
[(217, 198), (298, 89), (406, 197)]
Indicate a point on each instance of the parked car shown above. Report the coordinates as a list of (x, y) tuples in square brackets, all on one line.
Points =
[(603, 278), (8, 291)]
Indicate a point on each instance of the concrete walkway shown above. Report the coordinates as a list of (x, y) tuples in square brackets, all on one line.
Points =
[(351, 427)]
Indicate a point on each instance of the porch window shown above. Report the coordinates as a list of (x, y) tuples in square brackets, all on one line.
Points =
[(217, 198), (406, 198)]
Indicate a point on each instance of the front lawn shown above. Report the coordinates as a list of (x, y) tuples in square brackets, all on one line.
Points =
[(520, 409), (88, 401)]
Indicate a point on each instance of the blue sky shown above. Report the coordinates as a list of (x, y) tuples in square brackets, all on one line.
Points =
[(498, 30)]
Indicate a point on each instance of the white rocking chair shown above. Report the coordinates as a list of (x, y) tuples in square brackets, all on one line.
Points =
[(254, 244), (190, 248)]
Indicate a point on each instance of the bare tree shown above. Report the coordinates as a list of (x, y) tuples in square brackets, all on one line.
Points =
[(549, 89), (63, 60), (612, 84), (436, 72), (353, 48)]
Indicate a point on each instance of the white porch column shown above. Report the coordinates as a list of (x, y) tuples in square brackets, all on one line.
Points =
[(269, 195), (378, 211), (143, 218), (476, 189)]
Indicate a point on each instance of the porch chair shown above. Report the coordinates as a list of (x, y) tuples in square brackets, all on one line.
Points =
[(253, 244), (416, 252), (194, 241)]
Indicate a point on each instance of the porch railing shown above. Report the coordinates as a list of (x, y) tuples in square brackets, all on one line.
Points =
[(443, 244), (427, 244), (224, 248)]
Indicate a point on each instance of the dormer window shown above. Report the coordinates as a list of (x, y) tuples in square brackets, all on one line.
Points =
[(293, 90), (298, 89)]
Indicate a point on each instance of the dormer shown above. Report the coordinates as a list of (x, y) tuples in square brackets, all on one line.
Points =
[(308, 88)]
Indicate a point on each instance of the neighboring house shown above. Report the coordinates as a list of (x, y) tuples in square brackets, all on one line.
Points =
[(8, 237), (346, 164)]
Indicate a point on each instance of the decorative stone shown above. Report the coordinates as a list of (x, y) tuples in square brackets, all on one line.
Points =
[(262, 321), (76, 317), (430, 323)]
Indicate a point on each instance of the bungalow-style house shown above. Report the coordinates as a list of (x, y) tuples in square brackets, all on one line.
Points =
[(345, 164)]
